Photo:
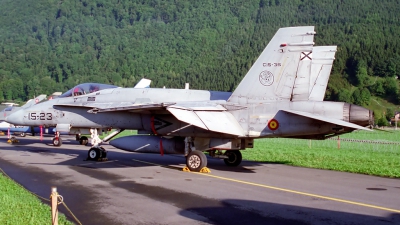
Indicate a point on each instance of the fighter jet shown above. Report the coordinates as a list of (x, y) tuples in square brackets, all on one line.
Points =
[(13, 108), (11, 128), (75, 91), (280, 96)]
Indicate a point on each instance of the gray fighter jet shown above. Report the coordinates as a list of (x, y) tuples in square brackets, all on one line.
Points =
[(21, 130), (280, 96)]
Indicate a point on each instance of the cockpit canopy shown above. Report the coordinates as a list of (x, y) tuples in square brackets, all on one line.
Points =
[(86, 88)]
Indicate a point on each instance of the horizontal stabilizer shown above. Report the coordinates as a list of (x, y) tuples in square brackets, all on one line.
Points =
[(328, 120)]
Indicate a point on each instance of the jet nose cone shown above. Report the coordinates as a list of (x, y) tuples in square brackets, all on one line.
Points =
[(16, 118)]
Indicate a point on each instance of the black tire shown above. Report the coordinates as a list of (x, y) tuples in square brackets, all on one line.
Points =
[(57, 142), (94, 154), (103, 152), (196, 160), (22, 134), (83, 140), (234, 158)]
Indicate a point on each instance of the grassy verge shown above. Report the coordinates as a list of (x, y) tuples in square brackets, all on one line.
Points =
[(355, 157), (18, 206)]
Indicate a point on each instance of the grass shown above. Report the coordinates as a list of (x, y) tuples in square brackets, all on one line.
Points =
[(381, 105), (18, 206), (355, 157)]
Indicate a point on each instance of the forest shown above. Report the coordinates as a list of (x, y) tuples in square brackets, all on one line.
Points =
[(48, 45)]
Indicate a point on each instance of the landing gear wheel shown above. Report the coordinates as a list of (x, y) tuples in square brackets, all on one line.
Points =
[(94, 154), (196, 160), (57, 141), (234, 158), (83, 140), (22, 134), (97, 153)]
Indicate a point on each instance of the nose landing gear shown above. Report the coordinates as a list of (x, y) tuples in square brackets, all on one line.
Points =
[(57, 141), (96, 152)]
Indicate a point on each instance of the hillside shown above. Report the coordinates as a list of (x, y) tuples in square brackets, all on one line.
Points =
[(48, 45)]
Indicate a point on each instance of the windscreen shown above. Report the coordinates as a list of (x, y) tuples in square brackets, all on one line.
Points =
[(86, 88)]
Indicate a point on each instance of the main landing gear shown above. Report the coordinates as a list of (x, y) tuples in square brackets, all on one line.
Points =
[(96, 152), (196, 161), (83, 140), (234, 157)]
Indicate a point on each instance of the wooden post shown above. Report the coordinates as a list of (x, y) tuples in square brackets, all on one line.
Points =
[(54, 210), (338, 142)]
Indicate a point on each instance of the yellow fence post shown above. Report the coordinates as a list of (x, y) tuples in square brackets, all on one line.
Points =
[(54, 210)]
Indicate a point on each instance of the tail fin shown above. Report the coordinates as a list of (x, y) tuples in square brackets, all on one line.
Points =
[(320, 71), (34, 101), (143, 83), (272, 76), (313, 74)]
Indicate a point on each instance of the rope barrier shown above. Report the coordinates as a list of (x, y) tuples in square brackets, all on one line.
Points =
[(365, 141), (60, 198)]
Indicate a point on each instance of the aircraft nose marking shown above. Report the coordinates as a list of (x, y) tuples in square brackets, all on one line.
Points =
[(16, 118)]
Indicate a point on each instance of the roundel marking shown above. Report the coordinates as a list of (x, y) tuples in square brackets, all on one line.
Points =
[(273, 124), (266, 78)]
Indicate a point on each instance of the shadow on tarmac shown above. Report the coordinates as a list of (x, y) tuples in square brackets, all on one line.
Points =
[(71, 147), (231, 211)]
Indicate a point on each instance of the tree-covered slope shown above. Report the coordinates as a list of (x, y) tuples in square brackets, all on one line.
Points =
[(48, 45)]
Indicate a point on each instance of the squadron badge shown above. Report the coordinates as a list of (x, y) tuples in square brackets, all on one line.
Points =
[(266, 78)]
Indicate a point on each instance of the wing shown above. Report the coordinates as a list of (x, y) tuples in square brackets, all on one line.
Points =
[(118, 106), (208, 115), (212, 118), (328, 120)]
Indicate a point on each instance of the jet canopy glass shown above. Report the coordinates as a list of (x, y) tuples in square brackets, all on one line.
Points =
[(86, 88)]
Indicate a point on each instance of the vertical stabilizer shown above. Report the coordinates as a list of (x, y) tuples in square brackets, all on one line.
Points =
[(320, 71), (313, 74), (272, 76), (143, 83), (34, 101)]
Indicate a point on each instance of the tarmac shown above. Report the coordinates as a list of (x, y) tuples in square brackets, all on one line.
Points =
[(137, 188)]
